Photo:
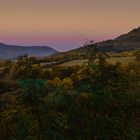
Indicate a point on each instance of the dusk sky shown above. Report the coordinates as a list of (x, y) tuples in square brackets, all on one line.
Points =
[(65, 24)]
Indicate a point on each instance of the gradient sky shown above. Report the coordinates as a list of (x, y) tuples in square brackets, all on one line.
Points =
[(65, 24)]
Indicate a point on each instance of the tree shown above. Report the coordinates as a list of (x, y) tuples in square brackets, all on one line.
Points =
[(26, 67)]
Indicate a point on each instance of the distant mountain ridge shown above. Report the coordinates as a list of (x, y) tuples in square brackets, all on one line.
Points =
[(13, 51), (126, 42)]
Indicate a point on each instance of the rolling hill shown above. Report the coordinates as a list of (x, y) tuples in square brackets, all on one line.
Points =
[(126, 42), (12, 51)]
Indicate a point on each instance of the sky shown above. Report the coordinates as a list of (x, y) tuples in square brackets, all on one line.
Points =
[(65, 24)]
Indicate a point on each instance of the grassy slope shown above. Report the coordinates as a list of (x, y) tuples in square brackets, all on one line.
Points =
[(123, 60)]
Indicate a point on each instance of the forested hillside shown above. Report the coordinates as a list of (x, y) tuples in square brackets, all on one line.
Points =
[(124, 43), (96, 101)]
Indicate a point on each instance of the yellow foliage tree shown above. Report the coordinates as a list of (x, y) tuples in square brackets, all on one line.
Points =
[(67, 83)]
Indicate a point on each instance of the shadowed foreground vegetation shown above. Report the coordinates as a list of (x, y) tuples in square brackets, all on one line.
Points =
[(97, 101)]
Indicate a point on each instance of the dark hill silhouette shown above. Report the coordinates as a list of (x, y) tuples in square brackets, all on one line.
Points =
[(132, 36), (125, 42)]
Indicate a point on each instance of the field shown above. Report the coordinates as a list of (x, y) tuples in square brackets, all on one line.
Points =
[(123, 60)]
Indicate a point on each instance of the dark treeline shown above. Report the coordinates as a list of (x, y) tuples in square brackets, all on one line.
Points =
[(96, 101)]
